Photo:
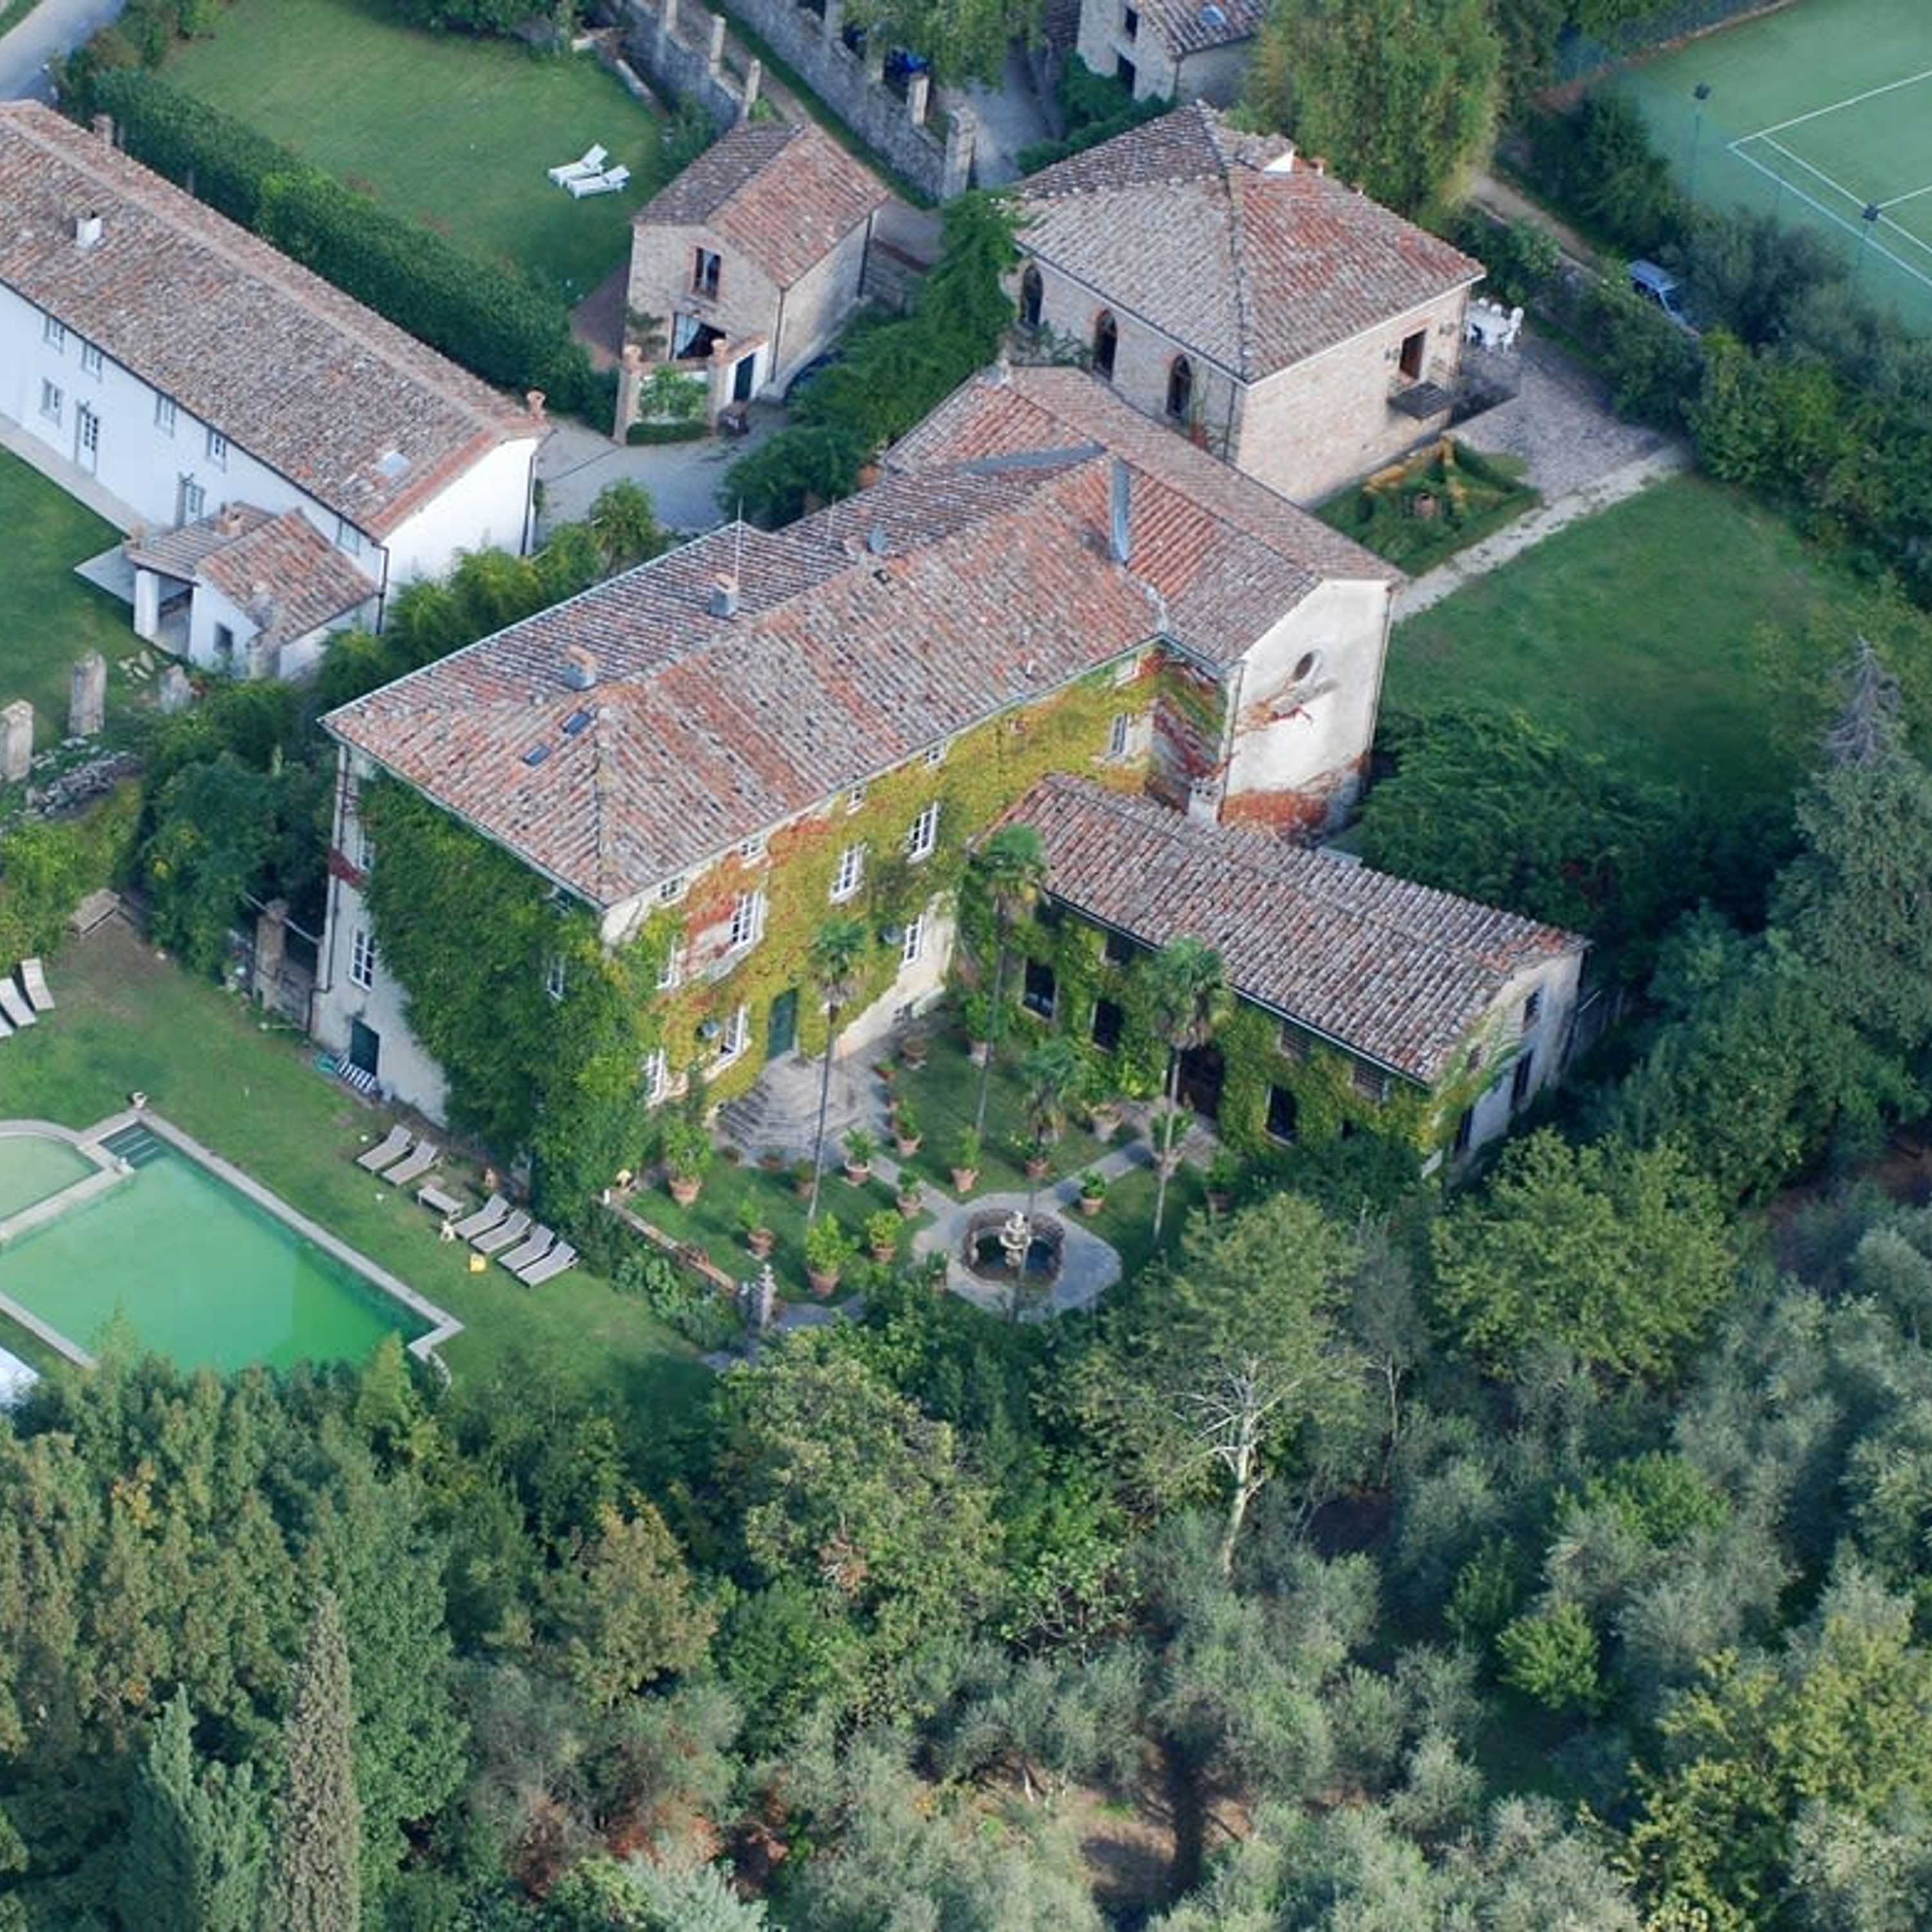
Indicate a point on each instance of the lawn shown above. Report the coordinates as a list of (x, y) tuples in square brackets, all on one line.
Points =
[(452, 132), (1687, 633), (48, 617), (126, 1020)]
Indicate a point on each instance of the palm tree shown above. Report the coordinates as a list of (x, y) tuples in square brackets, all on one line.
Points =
[(1053, 1073), (1188, 990), (838, 949), (1011, 868)]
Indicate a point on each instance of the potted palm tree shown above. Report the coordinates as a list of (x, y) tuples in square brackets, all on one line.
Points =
[(861, 1143), (966, 1161), (687, 1153), (827, 1249)]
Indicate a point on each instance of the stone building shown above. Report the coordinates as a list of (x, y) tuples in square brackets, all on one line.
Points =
[(1180, 50)]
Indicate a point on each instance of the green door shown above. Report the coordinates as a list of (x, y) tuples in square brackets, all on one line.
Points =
[(781, 1028)]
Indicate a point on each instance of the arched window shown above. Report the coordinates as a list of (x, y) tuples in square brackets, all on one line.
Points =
[(1179, 388), (1033, 297), (1106, 340)]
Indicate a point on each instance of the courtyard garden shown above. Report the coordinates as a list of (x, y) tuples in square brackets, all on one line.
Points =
[(448, 130), (48, 616), (1419, 512)]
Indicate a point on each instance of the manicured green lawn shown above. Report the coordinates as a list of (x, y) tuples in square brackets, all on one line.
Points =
[(455, 132), (126, 1020), (1687, 633), (48, 617)]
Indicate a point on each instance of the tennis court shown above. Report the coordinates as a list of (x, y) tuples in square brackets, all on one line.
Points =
[(1818, 112)]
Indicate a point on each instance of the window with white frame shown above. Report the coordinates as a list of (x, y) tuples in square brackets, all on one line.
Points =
[(748, 921), (164, 415), (348, 537), (193, 499), (217, 449), (914, 942), (855, 798), (655, 1074), (1532, 1008), (736, 1036), (672, 889), (924, 834), (361, 960), (670, 968), (935, 755), (53, 334), (554, 977), (52, 400), (752, 850), (90, 359), (851, 875), (1118, 733)]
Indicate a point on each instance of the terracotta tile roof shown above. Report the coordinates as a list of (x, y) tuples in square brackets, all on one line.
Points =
[(1183, 223), (360, 415), (281, 569), (786, 196), (1227, 556), (1189, 26), (1398, 973)]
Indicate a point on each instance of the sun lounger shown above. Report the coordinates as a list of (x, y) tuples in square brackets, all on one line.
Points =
[(13, 1004), (493, 1240), (425, 1156), (590, 163), (34, 984), (547, 1267), (607, 183), (387, 1153), (6, 1028), (540, 1242), (433, 1198), (487, 1216)]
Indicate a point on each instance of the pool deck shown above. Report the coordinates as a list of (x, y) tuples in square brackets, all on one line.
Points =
[(112, 1171)]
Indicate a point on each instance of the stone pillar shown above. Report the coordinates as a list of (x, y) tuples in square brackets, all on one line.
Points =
[(918, 90), (147, 604), (833, 23), (874, 58), (175, 693), (272, 943), (630, 380), (87, 704), (667, 22), (956, 174), (714, 52), (754, 73), (16, 741)]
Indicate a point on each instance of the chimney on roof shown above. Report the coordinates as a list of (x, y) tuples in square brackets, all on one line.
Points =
[(87, 229), (1318, 163), (877, 541), (1001, 374), (533, 401), (1283, 163), (1120, 508), (724, 598), (228, 522), (103, 125), (579, 668)]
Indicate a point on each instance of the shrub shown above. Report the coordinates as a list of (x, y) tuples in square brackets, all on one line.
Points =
[(693, 1307), (666, 432)]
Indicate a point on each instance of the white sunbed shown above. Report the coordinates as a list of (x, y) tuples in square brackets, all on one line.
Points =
[(413, 1167), (493, 1240), (547, 1266), (590, 163), (609, 182), (388, 1151), (487, 1216), (34, 984), (438, 1202), (13, 1004), (6, 1028), (539, 1243)]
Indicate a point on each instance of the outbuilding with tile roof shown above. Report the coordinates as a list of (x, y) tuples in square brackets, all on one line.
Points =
[(1231, 288), (1180, 50)]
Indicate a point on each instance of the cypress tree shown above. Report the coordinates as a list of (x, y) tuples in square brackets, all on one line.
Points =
[(316, 1881)]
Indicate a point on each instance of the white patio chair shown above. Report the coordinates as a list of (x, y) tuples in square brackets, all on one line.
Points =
[(590, 163)]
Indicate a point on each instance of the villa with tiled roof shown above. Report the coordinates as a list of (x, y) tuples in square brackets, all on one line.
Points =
[(1384, 980), (1229, 287), (185, 367), (1043, 581), (754, 255), (1180, 50)]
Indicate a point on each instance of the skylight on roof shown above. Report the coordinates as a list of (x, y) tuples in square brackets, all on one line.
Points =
[(393, 464), (536, 754), (577, 721)]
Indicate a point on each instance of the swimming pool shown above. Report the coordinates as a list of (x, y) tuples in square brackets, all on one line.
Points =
[(199, 1270)]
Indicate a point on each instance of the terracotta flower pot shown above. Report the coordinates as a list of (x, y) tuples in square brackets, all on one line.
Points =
[(908, 1145), (910, 1202), (760, 1240), (963, 1179), (1090, 1205), (684, 1188), (822, 1281), (858, 1172)]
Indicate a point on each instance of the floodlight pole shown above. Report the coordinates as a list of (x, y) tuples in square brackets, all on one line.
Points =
[(1870, 218), (1699, 93)]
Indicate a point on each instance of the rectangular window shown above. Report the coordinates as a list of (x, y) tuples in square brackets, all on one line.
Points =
[(855, 798), (851, 875), (348, 537), (748, 921), (1040, 991), (53, 334), (915, 942), (706, 267), (361, 960), (224, 647), (1465, 1130), (90, 359), (554, 978), (365, 853), (935, 755), (924, 835), (52, 400), (164, 415), (670, 972), (1371, 1082), (1532, 1008), (1296, 1042), (736, 1037), (1523, 1079), (217, 449), (752, 850), (193, 499), (656, 1073), (1412, 348), (1118, 949), (1110, 1021), (1284, 1115), (673, 889), (1130, 23), (1117, 734)]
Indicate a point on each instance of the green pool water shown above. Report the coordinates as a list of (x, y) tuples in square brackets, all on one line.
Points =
[(32, 1166), (200, 1273)]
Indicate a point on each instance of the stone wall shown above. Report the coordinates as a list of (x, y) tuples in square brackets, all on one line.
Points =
[(676, 46)]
